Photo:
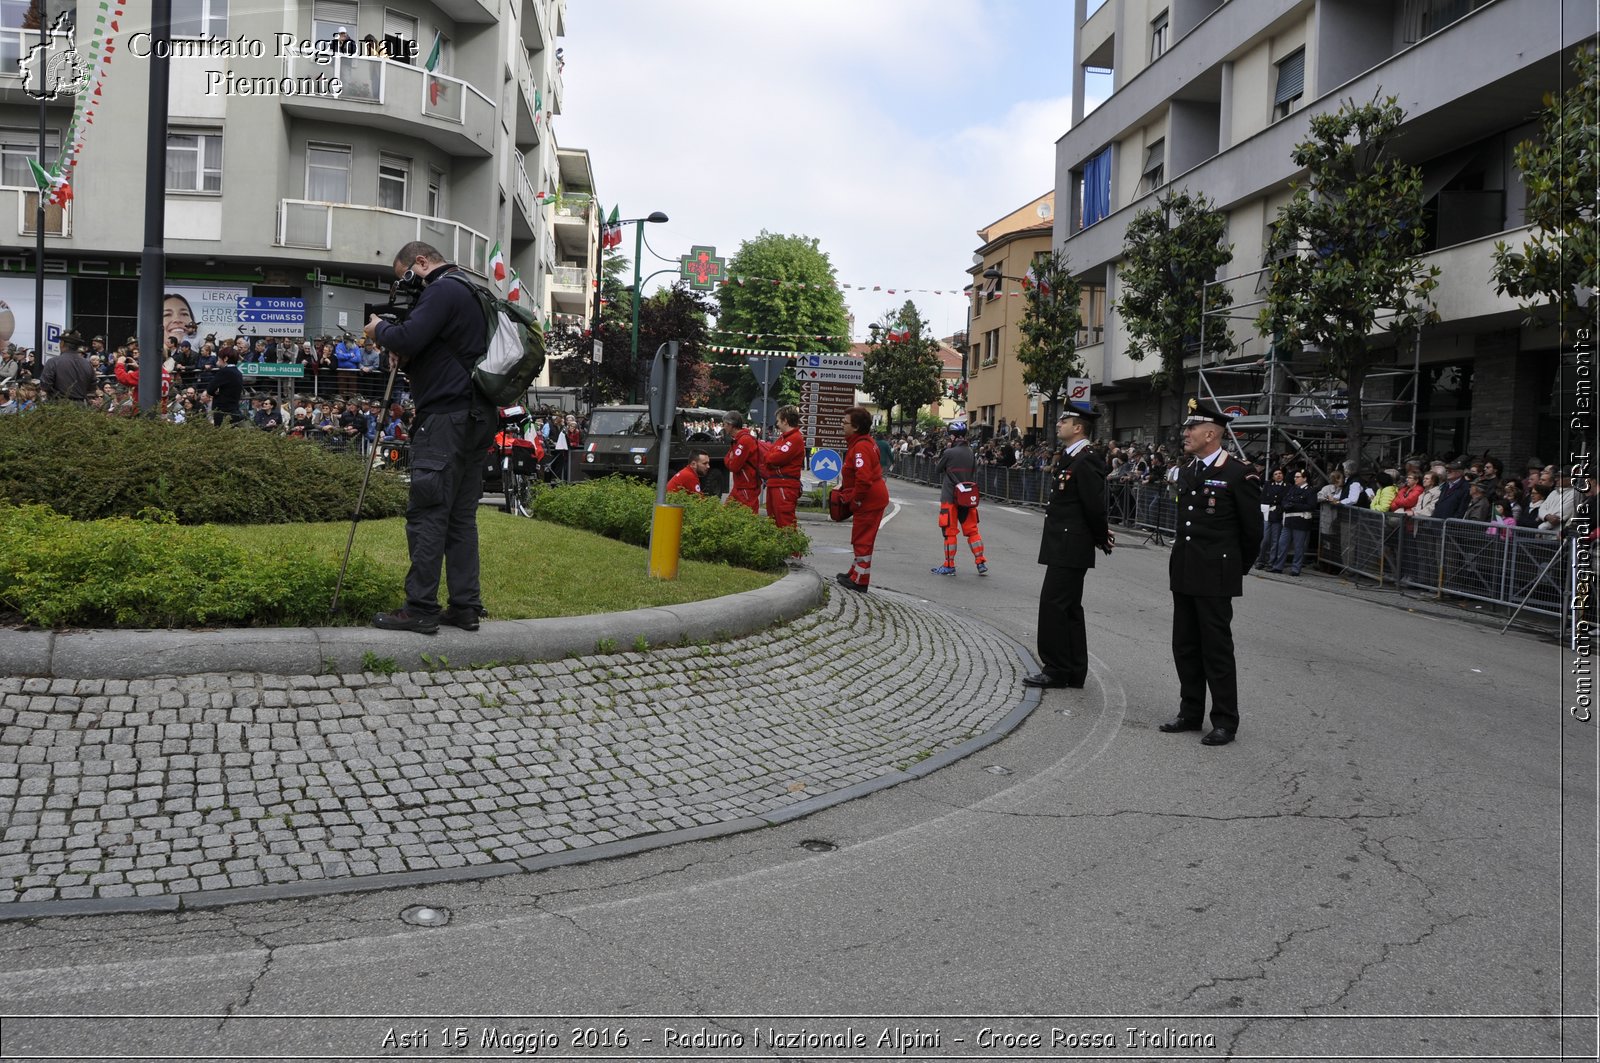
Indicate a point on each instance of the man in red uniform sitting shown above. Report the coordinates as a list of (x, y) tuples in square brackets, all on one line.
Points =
[(865, 493), (689, 478), (783, 459), (744, 463)]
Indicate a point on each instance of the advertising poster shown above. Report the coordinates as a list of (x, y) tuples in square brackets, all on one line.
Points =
[(17, 309)]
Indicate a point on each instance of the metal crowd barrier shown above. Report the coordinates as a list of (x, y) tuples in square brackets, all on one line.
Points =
[(1524, 568)]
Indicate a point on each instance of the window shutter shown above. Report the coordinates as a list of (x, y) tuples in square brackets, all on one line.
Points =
[(1291, 78)]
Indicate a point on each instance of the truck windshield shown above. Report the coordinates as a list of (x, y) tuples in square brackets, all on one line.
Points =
[(619, 423)]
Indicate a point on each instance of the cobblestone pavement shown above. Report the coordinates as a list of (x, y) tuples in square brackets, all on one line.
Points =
[(177, 787)]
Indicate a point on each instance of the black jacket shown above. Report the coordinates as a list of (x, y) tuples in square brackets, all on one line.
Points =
[(1219, 528), (1272, 497), (1453, 498), (1302, 500), (438, 343), (227, 388), (1075, 521)]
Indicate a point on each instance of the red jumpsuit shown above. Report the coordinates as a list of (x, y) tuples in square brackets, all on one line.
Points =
[(744, 466), (685, 480), (868, 497), (783, 459)]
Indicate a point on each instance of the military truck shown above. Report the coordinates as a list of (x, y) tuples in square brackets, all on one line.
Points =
[(620, 441)]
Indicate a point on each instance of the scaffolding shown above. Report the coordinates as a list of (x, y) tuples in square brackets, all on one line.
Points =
[(1291, 401)]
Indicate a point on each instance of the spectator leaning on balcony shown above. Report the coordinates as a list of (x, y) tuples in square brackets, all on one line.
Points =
[(1453, 494)]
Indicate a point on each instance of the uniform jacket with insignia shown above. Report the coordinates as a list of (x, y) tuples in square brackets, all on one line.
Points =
[(1219, 528), (1075, 521)]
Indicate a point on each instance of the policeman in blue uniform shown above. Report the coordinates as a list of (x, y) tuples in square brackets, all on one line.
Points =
[(1218, 537), (1074, 526)]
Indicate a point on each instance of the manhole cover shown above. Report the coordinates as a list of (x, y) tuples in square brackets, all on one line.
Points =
[(424, 916), (816, 845), (1066, 712), (997, 769)]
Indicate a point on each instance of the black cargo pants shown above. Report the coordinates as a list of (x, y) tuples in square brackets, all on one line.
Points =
[(442, 514)]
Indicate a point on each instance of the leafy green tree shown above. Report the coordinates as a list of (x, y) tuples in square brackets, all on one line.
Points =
[(1051, 317), (1344, 249), (806, 305), (902, 365), (1557, 266), (1170, 252)]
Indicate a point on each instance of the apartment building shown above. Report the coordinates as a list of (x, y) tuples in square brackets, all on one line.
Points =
[(1009, 247), (1213, 96), (306, 143)]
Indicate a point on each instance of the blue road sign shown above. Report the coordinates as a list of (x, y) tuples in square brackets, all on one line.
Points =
[(248, 302), (826, 465)]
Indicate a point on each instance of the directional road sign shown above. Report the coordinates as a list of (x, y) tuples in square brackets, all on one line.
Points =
[(826, 465), (828, 376)]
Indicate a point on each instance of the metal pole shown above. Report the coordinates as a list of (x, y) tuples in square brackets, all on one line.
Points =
[(633, 359), (594, 326), (664, 440), (361, 496), (153, 260), (38, 214)]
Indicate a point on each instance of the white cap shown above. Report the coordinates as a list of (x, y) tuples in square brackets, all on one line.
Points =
[(344, 31)]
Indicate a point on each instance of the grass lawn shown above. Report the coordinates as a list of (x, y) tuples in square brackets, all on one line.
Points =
[(529, 568)]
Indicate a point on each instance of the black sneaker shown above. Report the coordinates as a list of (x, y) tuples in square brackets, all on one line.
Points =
[(406, 620), (464, 617)]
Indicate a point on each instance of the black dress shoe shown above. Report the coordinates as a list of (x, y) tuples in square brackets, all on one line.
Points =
[(1218, 736), (1180, 724), (1046, 681), (406, 620), (465, 617)]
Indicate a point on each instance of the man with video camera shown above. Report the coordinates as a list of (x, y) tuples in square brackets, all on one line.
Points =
[(438, 340)]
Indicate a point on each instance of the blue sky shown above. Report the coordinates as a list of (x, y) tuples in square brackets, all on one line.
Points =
[(888, 129)]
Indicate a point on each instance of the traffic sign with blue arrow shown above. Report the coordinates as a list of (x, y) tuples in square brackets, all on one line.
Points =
[(826, 465)]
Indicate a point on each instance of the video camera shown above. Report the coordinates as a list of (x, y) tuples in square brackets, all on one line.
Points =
[(403, 295)]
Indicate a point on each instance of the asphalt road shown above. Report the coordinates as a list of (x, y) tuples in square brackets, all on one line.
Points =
[(1396, 859)]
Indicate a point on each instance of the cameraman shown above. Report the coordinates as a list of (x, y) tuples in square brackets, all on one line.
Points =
[(438, 343)]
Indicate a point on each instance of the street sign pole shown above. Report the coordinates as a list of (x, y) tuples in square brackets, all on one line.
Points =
[(666, 524)]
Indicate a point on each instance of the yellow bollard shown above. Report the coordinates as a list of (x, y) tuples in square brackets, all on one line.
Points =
[(666, 535)]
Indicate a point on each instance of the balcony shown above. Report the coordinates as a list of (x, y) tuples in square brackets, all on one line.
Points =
[(569, 289), (526, 219), (398, 97), (557, 88), (14, 45), (363, 236), (536, 24), (574, 226), (1465, 288), (527, 129), (23, 204)]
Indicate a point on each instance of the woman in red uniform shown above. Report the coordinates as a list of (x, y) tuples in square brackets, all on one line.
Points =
[(743, 462), (782, 460), (865, 493)]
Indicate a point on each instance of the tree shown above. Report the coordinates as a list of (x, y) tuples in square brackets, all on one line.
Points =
[(675, 313), (1343, 249), (1561, 170), (902, 365), (788, 316), (1171, 251), (1051, 317)]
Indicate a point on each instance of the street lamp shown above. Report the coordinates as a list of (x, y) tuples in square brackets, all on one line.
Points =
[(638, 251)]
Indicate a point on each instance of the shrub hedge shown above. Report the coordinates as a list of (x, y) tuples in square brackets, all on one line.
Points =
[(58, 572), (621, 508), (90, 466)]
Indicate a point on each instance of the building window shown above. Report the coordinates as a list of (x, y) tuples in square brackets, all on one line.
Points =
[(1154, 174), (328, 173), (991, 347), (435, 194), (1096, 189), (1291, 84), (17, 146), (400, 36), (1158, 36), (199, 18), (329, 16), (394, 174), (977, 354), (1092, 305), (443, 66), (194, 161)]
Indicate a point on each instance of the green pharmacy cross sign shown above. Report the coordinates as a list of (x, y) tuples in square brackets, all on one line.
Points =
[(702, 268)]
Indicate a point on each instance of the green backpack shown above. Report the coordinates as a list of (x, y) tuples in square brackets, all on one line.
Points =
[(515, 352)]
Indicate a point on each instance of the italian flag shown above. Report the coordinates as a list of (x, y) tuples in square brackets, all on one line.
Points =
[(58, 190), (611, 235), (497, 263), (900, 335), (515, 294)]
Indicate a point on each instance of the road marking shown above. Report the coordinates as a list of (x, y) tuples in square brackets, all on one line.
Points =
[(890, 515)]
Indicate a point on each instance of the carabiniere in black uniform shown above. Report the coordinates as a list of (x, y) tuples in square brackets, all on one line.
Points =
[(1218, 537), (1074, 527)]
